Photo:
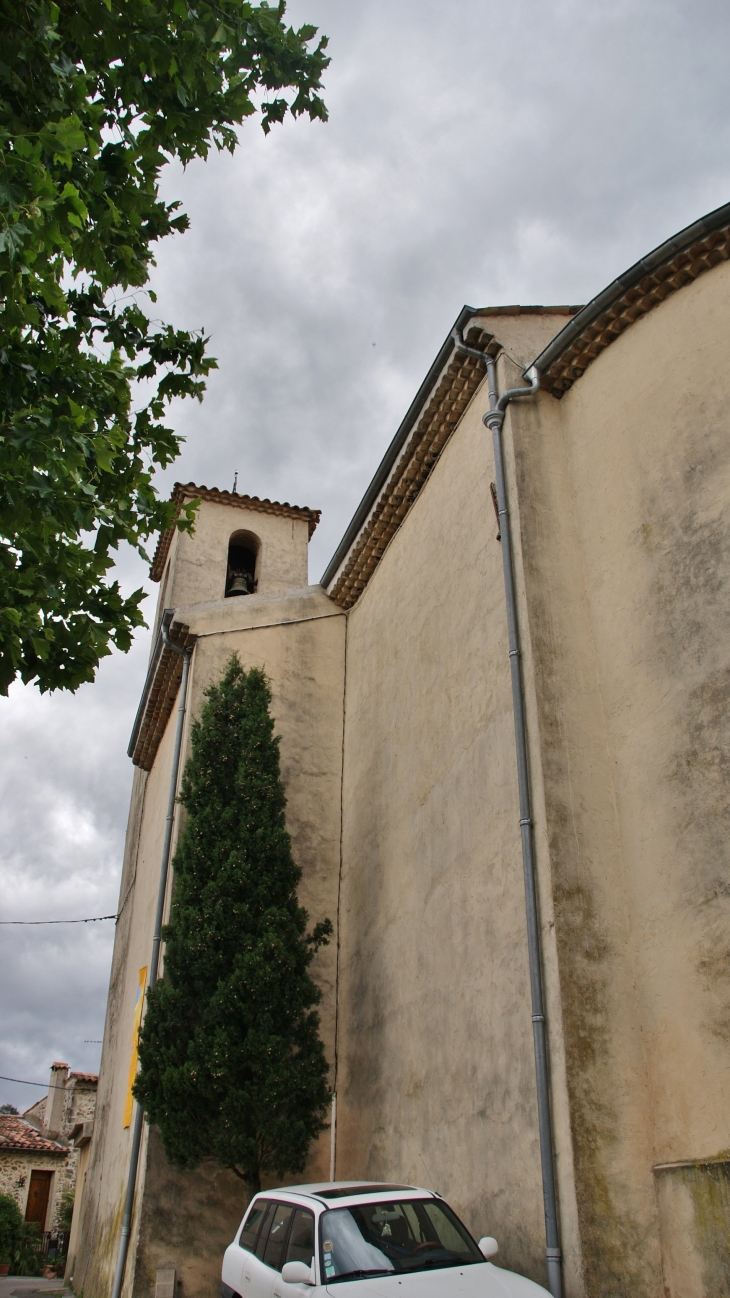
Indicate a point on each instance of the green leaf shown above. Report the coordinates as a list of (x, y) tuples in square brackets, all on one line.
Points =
[(94, 102), (66, 134)]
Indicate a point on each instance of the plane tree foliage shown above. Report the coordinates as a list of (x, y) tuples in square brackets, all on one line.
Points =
[(96, 96), (231, 1062)]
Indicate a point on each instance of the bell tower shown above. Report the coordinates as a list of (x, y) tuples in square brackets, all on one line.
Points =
[(241, 546), (237, 584)]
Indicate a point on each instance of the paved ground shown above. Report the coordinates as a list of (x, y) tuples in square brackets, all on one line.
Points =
[(27, 1286)]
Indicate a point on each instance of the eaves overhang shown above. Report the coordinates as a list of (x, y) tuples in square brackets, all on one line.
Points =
[(645, 285), (383, 470), (159, 693), (433, 415)]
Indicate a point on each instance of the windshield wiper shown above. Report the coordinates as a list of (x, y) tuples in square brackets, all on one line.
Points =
[(358, 1275), (433, 1263)]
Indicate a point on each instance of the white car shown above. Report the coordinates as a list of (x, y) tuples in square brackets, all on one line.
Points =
[(365, 1240)]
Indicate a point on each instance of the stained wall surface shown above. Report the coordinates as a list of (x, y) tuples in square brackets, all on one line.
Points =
[(436, 1077), (623, 495), (619, 496)]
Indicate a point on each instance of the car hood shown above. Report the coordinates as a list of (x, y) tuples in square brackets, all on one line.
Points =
[(479, 1281)]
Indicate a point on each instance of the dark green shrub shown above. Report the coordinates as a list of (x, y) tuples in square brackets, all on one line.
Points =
[(10, 1223), (19, 1240)]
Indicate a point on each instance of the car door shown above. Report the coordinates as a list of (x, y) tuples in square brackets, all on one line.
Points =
[(274, 1252), (256, 1277), (299, 1248)]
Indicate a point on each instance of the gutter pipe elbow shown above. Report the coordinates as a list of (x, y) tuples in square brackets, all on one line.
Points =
[(165, 624), (533, 377), (458, 336)]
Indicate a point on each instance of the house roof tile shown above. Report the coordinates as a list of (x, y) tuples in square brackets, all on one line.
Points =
[(17, 1134)]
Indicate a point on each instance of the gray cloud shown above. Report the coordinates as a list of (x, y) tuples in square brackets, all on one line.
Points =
[(476, 152)]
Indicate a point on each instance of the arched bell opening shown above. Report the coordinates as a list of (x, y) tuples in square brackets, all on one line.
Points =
[(242, 576)]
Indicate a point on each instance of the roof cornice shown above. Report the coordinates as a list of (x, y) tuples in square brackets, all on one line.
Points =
[(409, 460), (189, 491), (643, 286), (385, 467), (158, 695)]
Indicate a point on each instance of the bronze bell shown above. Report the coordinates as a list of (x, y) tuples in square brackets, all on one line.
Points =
[(239, 584)]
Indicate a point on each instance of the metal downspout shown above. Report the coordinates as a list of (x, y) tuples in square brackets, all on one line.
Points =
[(494, 419), (186, 655)]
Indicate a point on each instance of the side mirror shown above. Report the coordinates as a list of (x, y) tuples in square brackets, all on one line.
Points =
[(488, 1246), (297, 1273)]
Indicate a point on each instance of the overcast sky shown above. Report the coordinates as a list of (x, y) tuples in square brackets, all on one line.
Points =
[(476, 152)]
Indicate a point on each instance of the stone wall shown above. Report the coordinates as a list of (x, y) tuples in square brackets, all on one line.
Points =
[(17, 1166)]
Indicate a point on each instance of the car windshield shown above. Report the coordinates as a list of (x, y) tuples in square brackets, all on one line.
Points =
[(391, 1238)]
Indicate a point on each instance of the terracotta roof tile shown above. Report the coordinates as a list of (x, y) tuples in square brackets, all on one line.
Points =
[(17, 1134), (642, 287)]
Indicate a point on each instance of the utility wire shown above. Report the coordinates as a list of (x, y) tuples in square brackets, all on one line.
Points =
[(24, 1082), (28, 923)]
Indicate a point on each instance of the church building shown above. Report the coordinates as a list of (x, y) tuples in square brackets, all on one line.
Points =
[(505, 723)]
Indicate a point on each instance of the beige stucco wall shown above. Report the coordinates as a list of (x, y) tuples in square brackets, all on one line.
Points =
[(623, 501), (102, 1208), (186, 1220), (518, 333), (198, 562), (436, 1080), (82, 1168), (619, 497)]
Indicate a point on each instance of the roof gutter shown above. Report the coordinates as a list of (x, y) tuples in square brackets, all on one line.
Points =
[(383, 470), (646, 266)]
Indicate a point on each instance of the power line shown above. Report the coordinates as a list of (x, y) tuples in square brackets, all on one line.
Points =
[(29, 923), (24, 1082)]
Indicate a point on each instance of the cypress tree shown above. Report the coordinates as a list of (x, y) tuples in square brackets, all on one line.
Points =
[(231, 1063)]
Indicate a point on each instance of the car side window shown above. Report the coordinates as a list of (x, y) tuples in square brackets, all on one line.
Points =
[(265, 1227), (301, 1238), (252, 1225), (278, 1235)]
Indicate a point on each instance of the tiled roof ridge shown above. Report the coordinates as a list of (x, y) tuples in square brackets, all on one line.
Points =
[(84, 1077), (188, 490), (16, 1133), (450, 396), (525, 310), (645, 285)]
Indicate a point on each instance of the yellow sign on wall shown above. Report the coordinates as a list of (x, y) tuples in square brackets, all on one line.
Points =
[(138, 1009)]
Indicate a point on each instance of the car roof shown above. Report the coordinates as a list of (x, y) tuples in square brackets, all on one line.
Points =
[(342, 1194)]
